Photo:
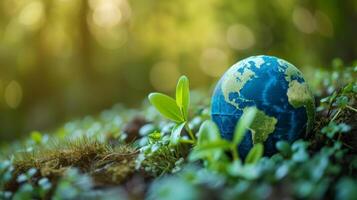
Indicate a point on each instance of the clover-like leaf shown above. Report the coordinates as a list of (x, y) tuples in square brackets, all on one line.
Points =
[(244, 122), (284, 148), (183, 95), (176, 132), (342, 101), (255, 154), (166, 106)]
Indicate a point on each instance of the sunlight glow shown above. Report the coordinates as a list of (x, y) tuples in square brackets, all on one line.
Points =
[(213, 62), (32, 15), (163, 76), (304, 20), (13, 94), (240, 37)]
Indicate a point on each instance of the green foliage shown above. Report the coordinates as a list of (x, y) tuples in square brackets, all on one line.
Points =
[(36, 137), (91, 159), (255, 154), (176, 132), (163, 190), (158, 157), (244, 122), (284, 148), (210, 146), (166, 106), (183, 96), (346, 189), (176, 110), (332, 129)]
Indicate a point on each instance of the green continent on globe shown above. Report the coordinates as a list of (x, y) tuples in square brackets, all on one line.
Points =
[(278, 92), (262, 126), (235, 80), (300, 95)]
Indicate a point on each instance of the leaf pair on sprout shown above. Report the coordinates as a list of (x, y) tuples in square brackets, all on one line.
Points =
[(175, 109), (209, 144)]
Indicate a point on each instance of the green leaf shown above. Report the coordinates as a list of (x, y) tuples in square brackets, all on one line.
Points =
[(218, 144), (197, 155), (354, 89), (183, 95), (348, 88), (209, 143), (284, 148), (209, 149), (36, 137), (342, 101), (175, 133), (208, 132), (244, 122), (155, 136), (166, 106), (255, 154)]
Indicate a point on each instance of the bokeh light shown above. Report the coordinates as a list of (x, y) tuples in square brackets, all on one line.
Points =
[(214, 62), (164, 75), (240, 37), (13, 94), (32, 14), (304, 20), (61, 59)]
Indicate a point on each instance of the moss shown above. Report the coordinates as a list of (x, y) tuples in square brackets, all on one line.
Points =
[(164, 160), (115, 167), (107, 165)]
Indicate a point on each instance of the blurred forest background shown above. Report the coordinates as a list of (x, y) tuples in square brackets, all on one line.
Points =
[(62, 59)]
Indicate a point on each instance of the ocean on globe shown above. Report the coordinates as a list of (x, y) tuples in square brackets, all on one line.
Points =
[(284, 104)]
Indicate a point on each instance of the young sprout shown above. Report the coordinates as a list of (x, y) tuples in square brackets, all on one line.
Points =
[(175, 110), (211, 146), (241, 128)]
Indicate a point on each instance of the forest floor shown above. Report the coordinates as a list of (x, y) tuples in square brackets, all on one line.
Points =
[(136, 154)]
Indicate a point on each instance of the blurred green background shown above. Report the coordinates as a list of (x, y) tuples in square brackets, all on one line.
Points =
[(61, 59)]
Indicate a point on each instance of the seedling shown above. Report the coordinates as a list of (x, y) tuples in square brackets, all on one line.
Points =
[(175, 110), (164, 164), (211, 147)]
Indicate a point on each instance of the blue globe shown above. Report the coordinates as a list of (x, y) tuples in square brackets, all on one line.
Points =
[(284, 104)]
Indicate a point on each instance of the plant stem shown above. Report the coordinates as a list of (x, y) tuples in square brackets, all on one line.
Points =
[(351, 108), (187, 141), (234, 152), (192, 136), (335, 116)]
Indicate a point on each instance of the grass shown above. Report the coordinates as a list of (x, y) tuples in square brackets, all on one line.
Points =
[(107, 165), (136, 154)]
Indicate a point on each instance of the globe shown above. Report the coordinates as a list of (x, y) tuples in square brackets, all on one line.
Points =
[(284, 104)]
